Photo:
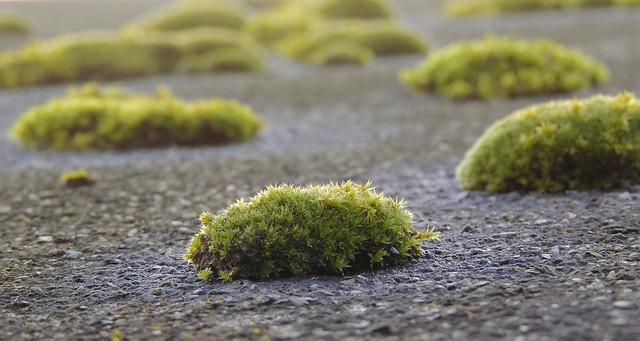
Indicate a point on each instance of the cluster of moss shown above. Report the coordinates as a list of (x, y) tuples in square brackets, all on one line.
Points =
[(104, 56), (489, 7), (11, 23), (77, 178), (195, 14), (501, 67), (288, 230), (333, 31), (92, 118), (570, 145), (351, 42)]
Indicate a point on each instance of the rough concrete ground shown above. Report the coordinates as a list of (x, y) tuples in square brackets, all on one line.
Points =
[(83, 263)]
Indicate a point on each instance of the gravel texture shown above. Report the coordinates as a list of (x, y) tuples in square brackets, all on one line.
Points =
[(83, 263)]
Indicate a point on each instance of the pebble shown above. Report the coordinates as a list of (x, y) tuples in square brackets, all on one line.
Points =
[(624, 305), (73, 254)]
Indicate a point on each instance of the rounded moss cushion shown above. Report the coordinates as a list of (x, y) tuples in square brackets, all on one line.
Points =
[(497, 67), (288, 230), (92, 118), (570, 145)]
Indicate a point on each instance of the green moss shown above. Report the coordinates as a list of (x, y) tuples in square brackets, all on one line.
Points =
[(570, 145), (12, 24), (381, 38), (341, 53), (193, 15), (92, 118), (490, 7), (288, 230), (271, 27), (355, 9), (230, 59), (103, 56), (298, 17), (77, 178), (501, 67)]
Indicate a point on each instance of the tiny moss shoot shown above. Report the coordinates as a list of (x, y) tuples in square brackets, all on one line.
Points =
[(288, 230), (77, 178), (498, 67), (457, 8), (94, 118), (570, 145)]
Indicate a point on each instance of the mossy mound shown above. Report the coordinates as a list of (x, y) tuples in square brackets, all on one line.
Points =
[(77, 178), (490, 7), (297, 17), (341, 53), (105, 56), (92, 118), (288, 230), (381, 38), (355, 9), (497, 67), (190, 15), (231, 59), (570, 145), (11, 23)]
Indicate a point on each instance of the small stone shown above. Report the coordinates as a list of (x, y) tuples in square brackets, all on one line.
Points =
[(20, 304), (45, 239), (624, 196), (541, 221), (468, 229), (626, 305), (73, 254)]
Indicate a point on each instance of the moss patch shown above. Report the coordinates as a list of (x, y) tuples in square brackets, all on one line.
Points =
[(380, 38), (231, 59), (489, 7), (190, 15), (307, 18), (77, 178), (11, 23), (288, 230), (570, 145), (105, 56), (501, 67), (92, 118)]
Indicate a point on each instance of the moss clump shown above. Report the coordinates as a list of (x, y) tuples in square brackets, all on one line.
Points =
[(341, 53), (92, 118), (497, 67), (288, 230), (298, 17), (355, 9), (12, 24), (231, 59), (77, 178), (193, 15), (571, 145), (380, 38), (103, 56), (490, 7)]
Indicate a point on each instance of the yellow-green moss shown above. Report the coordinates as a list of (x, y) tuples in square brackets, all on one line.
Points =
[(190, 15), (381, 38), (104, 56), (490, 7), (11, 23), (92, 118), (76, 178), (288, 230), (297, 17), (341, 53), (501, 67), (569, 145), (355, 9), (230, 59)]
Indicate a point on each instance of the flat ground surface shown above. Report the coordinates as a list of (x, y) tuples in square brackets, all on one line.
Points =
[(83, 263)]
